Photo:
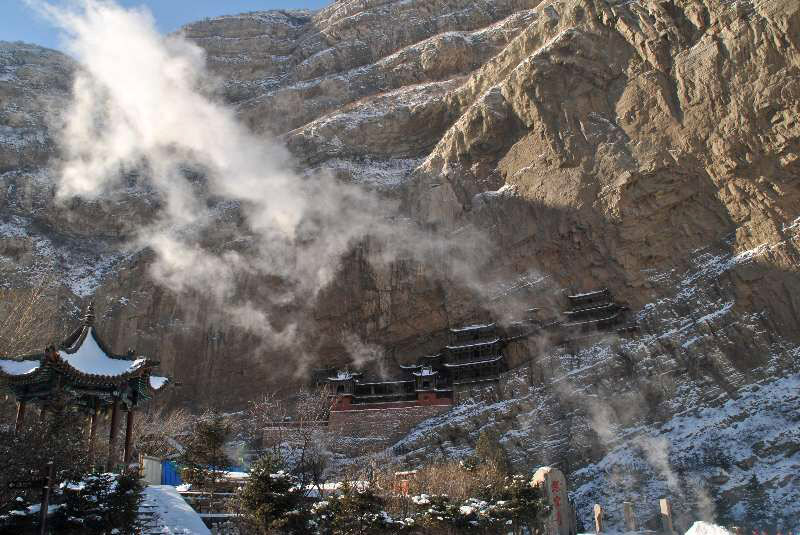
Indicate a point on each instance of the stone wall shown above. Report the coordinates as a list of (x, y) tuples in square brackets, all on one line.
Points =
[(376, 429)]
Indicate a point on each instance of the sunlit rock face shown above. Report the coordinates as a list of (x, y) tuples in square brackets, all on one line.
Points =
[(649, 147)]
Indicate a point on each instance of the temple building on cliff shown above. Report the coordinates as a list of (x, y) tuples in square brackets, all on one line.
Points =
[(473, 356), (595, 310)]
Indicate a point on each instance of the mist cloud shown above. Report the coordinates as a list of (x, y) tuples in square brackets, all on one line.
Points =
[(144, 105)]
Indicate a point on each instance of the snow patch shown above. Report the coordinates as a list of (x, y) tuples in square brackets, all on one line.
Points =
[(706, 528)]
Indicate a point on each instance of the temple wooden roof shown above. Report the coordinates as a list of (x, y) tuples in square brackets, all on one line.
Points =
[(473, 327), (484, 362), (472, 344)]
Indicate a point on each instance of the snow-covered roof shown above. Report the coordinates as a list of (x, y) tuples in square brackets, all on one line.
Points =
[(476, 344), (344, 376), (82, 355), (603, 306), (157, 383), (89, 358), (588, 294), (476, 363), (473, 327), (18, 367), (591, 321)]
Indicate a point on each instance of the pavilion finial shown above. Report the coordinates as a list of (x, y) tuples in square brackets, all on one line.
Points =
[(88, 318)]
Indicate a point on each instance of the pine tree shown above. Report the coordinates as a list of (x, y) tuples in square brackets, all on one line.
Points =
[(204, 459), (272, 500)]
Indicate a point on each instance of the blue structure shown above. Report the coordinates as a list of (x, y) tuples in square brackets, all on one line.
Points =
[(170, 474)]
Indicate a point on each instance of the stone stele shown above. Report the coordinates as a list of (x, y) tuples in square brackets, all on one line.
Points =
[(561, 520)]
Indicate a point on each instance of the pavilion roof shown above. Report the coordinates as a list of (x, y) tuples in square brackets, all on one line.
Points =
[(83, 356)]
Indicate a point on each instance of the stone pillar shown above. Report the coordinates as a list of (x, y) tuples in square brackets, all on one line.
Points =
[(553, 486), (128, 437), (20, 416), (666, 516), (112, 436), (598, 518), (630, 519)]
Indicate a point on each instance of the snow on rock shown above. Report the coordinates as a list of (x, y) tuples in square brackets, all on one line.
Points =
[(706, 528), (173, 516), (712, 427), (82, 264), (753, 433), (374, 172)]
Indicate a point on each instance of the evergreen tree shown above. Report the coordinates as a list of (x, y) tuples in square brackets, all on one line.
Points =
[(108, 503), (204, 459), (272, 500)]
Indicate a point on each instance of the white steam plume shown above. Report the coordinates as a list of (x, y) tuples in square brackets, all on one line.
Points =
[(143, 106)]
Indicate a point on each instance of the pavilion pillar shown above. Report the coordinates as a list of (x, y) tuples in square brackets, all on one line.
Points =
[(92, 430), (112, 436), (20, 415), (128, 437)]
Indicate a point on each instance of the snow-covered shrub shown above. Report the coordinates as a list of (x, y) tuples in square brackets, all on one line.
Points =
[(358, 510), (512, 505), (25, 456), (100, 504), (518, 502), (271, 501)]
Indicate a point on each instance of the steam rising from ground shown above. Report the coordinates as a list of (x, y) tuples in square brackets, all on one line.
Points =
[(143, 107)]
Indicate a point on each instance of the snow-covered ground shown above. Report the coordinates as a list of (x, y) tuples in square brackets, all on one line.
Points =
[(173, 516)]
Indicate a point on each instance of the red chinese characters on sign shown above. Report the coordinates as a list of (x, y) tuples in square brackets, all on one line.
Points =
[(555, 487)]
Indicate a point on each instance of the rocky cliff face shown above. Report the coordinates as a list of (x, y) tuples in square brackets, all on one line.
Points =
[(649, 147)]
